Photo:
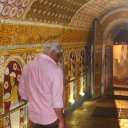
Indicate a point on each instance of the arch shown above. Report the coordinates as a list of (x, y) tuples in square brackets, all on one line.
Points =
[(113, 18), (17, 58), (106, 37), (11, 77), (112, 26), (112, 12)]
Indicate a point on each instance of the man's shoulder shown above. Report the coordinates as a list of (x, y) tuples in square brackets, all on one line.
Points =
[(57, 69)]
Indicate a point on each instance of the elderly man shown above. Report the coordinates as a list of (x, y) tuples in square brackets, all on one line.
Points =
[(41, 85)]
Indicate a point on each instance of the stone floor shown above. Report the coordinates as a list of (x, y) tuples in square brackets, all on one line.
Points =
[(109, 111)]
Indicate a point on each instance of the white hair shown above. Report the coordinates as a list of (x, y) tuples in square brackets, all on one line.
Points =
[(52, 45)]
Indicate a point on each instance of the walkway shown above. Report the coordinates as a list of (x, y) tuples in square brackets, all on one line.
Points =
[(110, 111)]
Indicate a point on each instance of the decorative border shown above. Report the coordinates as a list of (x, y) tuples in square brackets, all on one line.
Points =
[(112, 12), (12, 57), (20, 46), (111, 26), (65, 44), (24, 22)]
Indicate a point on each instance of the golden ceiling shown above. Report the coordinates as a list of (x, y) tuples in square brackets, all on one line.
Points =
[(75, 13)]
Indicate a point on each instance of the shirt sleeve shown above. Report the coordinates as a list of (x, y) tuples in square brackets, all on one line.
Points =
[(21, 86), (57, 89)]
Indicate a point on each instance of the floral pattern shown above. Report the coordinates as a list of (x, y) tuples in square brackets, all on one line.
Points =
[(13, 11), (6, 85), (13, 8), (20, 12), (2, 59), (6, 10), (14, 66)]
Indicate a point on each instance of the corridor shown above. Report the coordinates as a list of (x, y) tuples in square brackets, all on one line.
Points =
[(109, 111), (93, 34)]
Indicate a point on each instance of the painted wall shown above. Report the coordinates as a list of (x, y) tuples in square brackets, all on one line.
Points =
[(20, 44), (11, 34)]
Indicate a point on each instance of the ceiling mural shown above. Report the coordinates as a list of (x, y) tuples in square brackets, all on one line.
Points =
[(54, 11), (95, 9), (73, 13)]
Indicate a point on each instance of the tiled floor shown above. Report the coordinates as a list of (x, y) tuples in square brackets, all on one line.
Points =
[(84, 117)]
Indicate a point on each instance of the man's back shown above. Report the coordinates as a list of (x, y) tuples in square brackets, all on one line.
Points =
[(42, 89), (41, 84)]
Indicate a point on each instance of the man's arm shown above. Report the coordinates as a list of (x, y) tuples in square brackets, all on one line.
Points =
[(60, 115), (57, 96)]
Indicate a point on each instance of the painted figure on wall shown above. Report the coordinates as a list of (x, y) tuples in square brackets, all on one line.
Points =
[(72, 76), (82, 71), (66, 77), (72, 65), (11, 96), (66, 66), (82, 59)]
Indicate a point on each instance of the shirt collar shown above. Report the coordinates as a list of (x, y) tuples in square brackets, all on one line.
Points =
[(47, 57)]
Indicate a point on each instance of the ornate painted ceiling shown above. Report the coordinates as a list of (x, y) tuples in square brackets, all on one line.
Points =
[(75, 13)]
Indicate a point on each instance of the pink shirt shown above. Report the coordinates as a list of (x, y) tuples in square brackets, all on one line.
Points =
[(41, 85)]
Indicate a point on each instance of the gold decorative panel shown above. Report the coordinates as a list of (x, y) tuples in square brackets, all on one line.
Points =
[(22, 34)]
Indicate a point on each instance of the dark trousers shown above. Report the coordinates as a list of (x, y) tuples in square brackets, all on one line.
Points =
[(53, 125)]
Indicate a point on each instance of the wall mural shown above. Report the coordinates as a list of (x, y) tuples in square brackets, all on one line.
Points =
[(10, 99), (37, 34), (72, 76), (66, 77), (82, 72), (77, 74), (11, 96), (74, 65), (80, 65)]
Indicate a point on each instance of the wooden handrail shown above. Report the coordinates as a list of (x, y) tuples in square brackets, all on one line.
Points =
[(13, 110), (25, 102)]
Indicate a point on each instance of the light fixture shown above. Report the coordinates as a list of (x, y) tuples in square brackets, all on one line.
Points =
[(72, 101)]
